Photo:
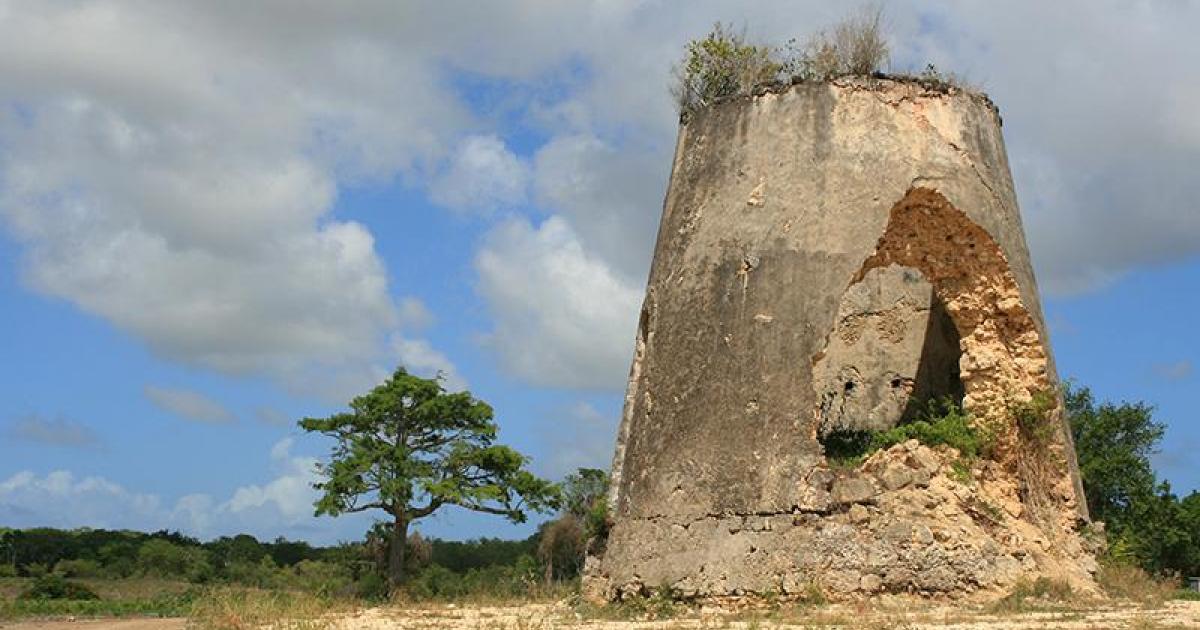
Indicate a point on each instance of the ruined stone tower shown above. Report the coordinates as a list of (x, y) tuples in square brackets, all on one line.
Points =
[(830, 257)]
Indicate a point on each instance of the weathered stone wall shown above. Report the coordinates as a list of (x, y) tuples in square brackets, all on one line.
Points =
[(828, 254)]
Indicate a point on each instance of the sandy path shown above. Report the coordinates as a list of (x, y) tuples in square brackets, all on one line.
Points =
[(1178, 614), (1174, 615)]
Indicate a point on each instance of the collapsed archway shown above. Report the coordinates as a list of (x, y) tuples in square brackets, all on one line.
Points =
[(978, 344)]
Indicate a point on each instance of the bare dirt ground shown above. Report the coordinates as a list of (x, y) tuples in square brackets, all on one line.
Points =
[(1175, 614), (1172, 615)]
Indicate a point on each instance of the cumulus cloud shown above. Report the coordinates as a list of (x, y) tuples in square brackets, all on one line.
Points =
[(1174, 371), (56, 431), (283, 504), (272, 417), (611, 197), (188, 405), (414, 315), (482, 176), (1102, 171), (577, 436), (288, 497), (562, 317), (171, 167), (420, 358)]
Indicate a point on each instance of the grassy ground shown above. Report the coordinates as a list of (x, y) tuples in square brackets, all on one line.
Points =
[(1142, 604), (141, 597)]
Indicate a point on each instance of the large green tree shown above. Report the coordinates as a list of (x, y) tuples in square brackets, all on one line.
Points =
[(1146, 522), (409, 447)]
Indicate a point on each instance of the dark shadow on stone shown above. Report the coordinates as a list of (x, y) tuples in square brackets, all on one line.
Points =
[(938, 371)]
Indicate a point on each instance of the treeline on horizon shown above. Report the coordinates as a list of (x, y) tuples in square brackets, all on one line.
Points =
[(345, 568)]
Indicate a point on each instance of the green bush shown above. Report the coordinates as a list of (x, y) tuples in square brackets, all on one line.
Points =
[(36, 569), (263, 573), (315, 576), (161, 558), (721, 64), (436, 582), (942, 422), (7, 571), (492, 582), (372, 586), (1035, 420), (56, 587), (78, 568)]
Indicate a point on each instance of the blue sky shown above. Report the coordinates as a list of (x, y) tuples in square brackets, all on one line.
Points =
[(214, 222)]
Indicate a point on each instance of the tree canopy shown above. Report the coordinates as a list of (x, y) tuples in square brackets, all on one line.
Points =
[(409, 447), (1147, 523)]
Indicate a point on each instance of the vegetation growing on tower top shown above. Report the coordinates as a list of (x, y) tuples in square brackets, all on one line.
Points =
[(726, 63)]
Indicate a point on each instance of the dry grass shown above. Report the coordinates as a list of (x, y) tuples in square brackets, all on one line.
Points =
[(246, 609), (1124, 581), (1042, 594)]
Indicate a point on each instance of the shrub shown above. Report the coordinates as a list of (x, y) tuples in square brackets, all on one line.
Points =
[(263, 573), (1042, 591), (56, 587), (372, 587), (854, 46), (518, 580), (36, 569), (315, 576), (162, 558), (7, 571), (1128, 581), (941, 422), (78, 568), (1034, 419), (721, 64), (562, 546), (436, 582)]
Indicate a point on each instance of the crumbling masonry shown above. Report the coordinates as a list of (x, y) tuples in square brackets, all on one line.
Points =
[(830, 257)]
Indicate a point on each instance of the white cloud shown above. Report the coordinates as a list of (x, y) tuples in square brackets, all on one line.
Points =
[(613, 198), (482, 176), (420, 358), (288, 497), (188, 405), (563, 318), (414, 315), (578, 436), (171, 168), (1174, 371), (271, 416), (282, 505), (60, 499), (52, 431)]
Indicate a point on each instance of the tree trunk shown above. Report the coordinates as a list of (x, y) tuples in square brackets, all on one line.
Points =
[(396, 550)]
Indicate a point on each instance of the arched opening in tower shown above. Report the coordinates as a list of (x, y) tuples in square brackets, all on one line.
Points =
[(934, 312), (893, 351)]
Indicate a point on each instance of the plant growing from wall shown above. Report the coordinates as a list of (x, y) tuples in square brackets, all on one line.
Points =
[(721, 64)]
